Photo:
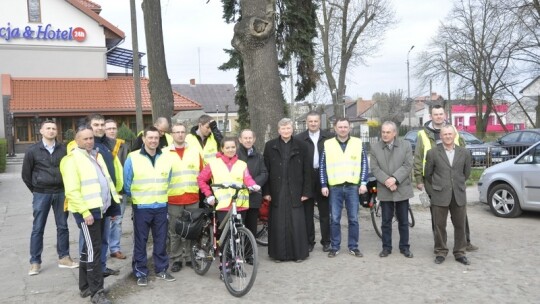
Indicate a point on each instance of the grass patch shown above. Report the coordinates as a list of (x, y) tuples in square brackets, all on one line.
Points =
[(475, 176)]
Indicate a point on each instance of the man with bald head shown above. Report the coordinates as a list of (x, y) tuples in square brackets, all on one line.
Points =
[(90, 192), (165, 139)]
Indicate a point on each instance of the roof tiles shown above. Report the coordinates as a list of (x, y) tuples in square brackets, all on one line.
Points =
[(115, 94)]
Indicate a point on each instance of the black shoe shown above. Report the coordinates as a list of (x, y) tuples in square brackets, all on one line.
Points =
[(384, 253), (463, 260), (311, 246), (142, 281), (439, 259), (333, 253), (326, 248), (100, 298), (407, 253), (109, 272), (85, 293), (176, 266)]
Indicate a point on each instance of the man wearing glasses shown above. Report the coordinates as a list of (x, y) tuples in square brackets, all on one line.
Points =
[(120, 150)]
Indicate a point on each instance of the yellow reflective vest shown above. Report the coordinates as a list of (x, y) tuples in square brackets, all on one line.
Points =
[(343, 166), (222, 175), (150, 182), (426, 143), (184, 171), (210, 149), (81, 182)]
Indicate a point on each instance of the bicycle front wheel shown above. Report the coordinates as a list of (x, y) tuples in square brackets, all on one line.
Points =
[(411, 218), (202, 251), (376, 217), (241, 262), (262, 233)]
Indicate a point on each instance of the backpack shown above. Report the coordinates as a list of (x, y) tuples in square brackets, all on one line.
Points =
[(191, 223)]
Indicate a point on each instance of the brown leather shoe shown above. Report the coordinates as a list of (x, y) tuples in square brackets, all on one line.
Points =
[(118, 255)]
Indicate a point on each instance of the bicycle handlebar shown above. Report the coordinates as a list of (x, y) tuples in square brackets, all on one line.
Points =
[(231, 186)]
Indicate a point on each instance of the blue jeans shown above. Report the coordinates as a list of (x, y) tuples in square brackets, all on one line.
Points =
[(41, 205), (349, 195), (402, 210), (116, 228), (104, 241)]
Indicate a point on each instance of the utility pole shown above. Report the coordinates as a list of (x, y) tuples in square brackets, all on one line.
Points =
[(448, 105), (136, 67), (409, 88)]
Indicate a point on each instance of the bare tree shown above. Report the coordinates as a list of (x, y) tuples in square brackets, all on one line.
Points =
[(343, 26), (484, 40), (160, 85), (390, 106)]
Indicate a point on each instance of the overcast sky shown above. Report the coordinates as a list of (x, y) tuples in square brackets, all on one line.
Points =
[(195, 35)]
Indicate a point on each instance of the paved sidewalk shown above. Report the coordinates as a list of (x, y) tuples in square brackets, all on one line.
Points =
[(53, 284)]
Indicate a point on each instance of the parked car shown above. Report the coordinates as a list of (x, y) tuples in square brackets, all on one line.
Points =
[(476, 146), (515, 143), (514, 185)]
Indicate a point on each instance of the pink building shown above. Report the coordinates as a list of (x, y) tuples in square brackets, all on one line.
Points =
[(464, 118)]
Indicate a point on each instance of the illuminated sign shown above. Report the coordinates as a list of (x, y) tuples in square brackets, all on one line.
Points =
[(42, 32)]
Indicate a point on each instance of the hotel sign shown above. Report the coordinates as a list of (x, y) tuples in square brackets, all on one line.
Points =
[(42, 32)]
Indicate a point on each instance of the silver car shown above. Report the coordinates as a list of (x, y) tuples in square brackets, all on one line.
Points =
[(514, 185)]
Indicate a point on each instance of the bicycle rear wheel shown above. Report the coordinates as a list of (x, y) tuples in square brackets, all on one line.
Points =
[(202, 251), (411, 218), (241, 262), (376, 217), (262, 233)]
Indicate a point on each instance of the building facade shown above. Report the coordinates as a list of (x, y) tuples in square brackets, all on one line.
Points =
[(53, 65)]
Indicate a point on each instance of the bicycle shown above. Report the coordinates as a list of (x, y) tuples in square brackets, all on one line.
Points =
[(375, 208), (262, 224), (236, 247)]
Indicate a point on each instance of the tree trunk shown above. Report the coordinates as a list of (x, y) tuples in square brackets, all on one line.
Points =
[(537, 108), (160, 85), (254, 39)]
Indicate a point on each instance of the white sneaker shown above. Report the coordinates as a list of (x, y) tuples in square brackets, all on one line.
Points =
[(34, 269), (67, 262)]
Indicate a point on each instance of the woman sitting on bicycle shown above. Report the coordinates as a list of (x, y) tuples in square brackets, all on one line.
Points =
[(226, 168)]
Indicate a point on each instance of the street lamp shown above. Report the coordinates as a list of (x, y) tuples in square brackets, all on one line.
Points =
[(409, 87)]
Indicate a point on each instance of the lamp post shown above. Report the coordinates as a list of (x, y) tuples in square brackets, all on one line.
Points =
[(409, 87)]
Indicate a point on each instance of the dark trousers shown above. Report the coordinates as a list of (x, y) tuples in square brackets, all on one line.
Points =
[(467, 230), (251, 218), (90, 273), (144, 220), (458, 215), (402, 215), (324, 212)]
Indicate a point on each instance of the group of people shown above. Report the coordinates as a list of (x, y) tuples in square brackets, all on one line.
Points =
[(166, 174)]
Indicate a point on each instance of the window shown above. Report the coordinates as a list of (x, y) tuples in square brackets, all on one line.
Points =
[(459, 121), (530, 137), (34, 10), (22, 129), (221, 126)]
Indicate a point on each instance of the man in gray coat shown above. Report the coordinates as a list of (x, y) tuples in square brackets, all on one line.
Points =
[(447, 168), (391, 162)]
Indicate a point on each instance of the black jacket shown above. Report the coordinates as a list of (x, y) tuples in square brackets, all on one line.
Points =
[(298, 172), (257, 170), (323, 136), (41, 170), (215, 131)]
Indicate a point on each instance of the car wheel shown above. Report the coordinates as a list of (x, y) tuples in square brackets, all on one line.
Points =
[(503, 201)]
